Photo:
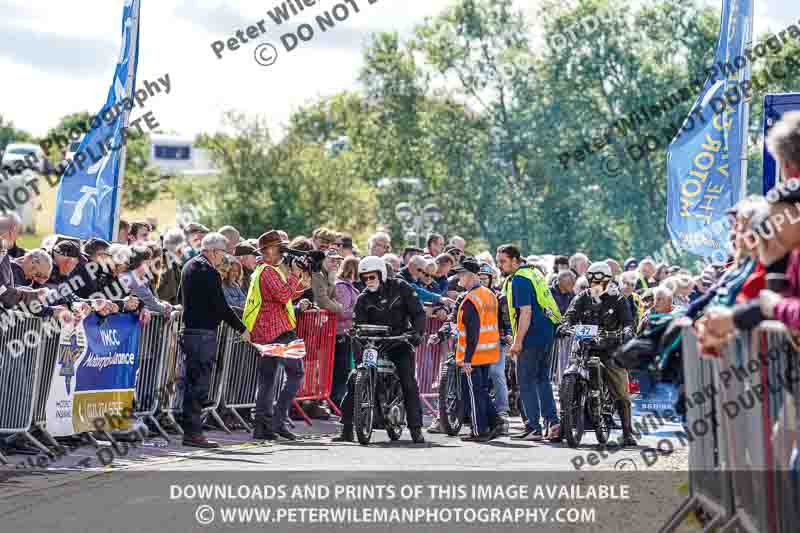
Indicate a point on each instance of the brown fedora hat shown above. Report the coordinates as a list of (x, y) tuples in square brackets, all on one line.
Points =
[(270, 238)]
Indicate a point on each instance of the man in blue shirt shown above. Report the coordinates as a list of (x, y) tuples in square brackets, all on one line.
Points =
[(533, 338)]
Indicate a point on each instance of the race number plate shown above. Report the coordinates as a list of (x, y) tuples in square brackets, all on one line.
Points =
[(586, 332), (370, 357)]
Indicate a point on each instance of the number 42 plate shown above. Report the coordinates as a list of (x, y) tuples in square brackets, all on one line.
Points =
[(586, 332)]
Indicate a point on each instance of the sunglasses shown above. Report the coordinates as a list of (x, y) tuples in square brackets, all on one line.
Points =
[(369, 277)]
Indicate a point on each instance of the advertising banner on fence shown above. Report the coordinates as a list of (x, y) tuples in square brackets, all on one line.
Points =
[(95, 373)]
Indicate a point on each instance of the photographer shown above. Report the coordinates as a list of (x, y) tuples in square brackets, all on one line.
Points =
[(270, 317)]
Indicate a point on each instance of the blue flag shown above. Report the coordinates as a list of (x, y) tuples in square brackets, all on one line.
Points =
[(704, 162), (89, 195)]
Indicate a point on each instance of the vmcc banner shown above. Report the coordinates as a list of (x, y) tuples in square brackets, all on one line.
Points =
[(704, 164), (88, 198), (95, 373)]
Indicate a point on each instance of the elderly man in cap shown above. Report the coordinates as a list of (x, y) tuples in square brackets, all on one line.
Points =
[(233, 236), (345, 244), (10, 294), (247, 255), (194, 236), (478, 348), (204, 308), (271, 318)]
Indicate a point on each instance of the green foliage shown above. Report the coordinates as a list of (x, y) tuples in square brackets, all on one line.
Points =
[(143, 184), (10, 134)]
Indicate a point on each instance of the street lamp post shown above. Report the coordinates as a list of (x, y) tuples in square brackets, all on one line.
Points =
[(416, 221)]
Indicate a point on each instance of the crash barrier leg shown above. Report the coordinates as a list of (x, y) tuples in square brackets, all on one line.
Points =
[(317, 328), (428, 365), (219, 376), (710, 484), (154, 342), (23, 351), (173, 376)]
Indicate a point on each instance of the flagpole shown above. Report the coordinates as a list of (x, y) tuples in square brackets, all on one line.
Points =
[(127, 112), (745, 122)]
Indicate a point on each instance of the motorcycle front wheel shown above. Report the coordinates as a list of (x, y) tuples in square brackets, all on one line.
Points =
[(395, 431), (364, 405), (451, 404), (573, 402)]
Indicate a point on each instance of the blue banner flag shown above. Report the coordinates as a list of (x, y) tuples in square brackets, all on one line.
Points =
[(88, 197), (705, 161)]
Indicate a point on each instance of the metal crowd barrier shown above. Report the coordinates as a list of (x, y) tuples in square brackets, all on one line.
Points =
[(24, 376), (742, 425), (710, 487), (559, 358), (428, 365), (149, 389)]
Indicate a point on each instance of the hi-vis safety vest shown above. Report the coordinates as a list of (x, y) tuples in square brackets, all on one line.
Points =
[(488, 350), (253, 304), (543, 295)]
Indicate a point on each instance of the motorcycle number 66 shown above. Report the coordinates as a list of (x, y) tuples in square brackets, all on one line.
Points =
[(586, 332), (371, 356)]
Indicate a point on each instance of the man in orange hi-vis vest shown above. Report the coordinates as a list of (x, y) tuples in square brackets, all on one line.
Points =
[(478, 347)]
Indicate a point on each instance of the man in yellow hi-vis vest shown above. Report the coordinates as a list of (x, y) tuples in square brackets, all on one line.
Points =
[(270, 316), (478, 347), (534, 315)]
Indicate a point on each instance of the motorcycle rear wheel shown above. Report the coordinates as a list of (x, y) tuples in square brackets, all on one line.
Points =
[(451, 406)]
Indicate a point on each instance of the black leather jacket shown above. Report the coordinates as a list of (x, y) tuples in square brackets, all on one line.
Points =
[(611, 313), (395, 305)]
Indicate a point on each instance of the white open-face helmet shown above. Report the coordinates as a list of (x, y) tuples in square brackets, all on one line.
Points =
[(372, 263), (599, 272)]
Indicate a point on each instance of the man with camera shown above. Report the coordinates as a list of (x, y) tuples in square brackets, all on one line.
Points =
[(270, 316)]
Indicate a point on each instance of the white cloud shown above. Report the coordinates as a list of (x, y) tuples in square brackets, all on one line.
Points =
[(57, 58)]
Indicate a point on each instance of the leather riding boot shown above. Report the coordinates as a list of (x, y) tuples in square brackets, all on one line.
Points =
[(627, 429)]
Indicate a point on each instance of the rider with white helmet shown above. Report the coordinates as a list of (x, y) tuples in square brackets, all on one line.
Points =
[(603, 305), (394, 303)]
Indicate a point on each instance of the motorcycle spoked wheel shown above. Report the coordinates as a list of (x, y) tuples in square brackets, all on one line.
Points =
[(451, 407), (602, 429), (573, 402), (395, 398), (364, 406)]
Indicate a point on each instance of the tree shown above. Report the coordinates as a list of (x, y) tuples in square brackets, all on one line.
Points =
[(10, 134), (143, 184)]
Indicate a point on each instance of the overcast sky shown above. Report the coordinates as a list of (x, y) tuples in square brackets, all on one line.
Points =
[(58, 57)]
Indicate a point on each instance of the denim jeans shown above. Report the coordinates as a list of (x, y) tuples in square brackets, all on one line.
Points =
[(199, 347), (536, 392), (497, 374), (275, 417)]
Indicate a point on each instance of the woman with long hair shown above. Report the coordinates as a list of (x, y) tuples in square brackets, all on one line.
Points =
[(346, 295)]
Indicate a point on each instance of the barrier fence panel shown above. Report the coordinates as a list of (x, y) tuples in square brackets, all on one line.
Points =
[(428, 364), (240, 388), (22, 356), (153, 344), (219, 376), (709, 483), (782, 357), (559, 358), (317, 328)]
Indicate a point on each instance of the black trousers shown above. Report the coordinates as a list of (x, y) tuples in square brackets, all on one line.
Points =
[(404, 361), (199, 348), (274, 414)]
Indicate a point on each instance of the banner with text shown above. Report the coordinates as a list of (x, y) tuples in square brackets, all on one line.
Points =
[(95, 374), (704, 165)]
